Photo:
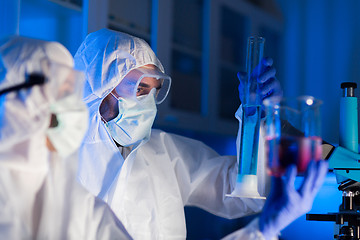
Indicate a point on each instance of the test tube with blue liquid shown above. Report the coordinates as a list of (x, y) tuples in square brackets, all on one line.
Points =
[(246, 185)]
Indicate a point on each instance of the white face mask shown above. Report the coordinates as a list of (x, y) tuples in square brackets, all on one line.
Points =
[(72, 117), (134, 121)]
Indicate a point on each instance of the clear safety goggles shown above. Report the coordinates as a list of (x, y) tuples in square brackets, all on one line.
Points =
[(31, 80), (64, 81), (140, 82)]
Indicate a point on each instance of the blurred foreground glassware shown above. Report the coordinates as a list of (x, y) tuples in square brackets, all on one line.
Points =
[(293, 133)]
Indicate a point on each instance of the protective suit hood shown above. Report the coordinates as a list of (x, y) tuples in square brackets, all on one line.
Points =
[(105, 57), (28, 114), (39, 195)]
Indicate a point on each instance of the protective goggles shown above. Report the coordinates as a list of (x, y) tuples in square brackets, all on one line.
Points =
[(64, 81), (31, 80), (140, 81)]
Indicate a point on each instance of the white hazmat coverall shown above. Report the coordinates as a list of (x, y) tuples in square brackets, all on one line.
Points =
[(149, 189), (40, 197)]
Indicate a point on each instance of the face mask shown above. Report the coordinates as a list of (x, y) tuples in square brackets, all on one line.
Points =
[(135, 119), (67, 136)]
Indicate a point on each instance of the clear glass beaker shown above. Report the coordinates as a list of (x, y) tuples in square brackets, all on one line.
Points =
[(293, 133)]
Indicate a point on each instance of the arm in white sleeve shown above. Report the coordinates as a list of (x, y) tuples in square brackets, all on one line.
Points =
[(205, 178)]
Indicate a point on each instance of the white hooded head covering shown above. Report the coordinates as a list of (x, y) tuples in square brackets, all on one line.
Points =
[(26, 113), (106, 57), (39, 195)]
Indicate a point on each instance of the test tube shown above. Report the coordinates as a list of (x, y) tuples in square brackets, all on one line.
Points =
[(246, 184), (251, 108)]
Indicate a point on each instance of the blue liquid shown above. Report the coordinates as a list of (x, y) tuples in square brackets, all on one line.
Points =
[(251, 117)]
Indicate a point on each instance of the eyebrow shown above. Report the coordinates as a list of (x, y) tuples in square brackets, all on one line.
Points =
[(145, 85)]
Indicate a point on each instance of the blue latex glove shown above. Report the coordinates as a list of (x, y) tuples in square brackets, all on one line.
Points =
[(285, 203), (268, 84)]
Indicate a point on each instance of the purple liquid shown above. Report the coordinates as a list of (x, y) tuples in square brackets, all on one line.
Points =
[(291, 150)]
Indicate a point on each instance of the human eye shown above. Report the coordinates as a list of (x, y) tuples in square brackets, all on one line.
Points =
[(141, 91)]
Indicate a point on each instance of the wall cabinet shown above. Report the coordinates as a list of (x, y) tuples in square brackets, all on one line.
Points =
[(72, 4)]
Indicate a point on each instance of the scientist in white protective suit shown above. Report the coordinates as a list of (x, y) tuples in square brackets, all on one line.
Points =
[(42, 123), (148, 176)]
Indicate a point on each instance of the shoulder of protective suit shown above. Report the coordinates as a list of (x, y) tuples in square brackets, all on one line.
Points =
[(176, 140), (156, 134)]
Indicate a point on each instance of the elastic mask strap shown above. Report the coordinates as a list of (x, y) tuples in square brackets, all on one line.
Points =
[(139, 98), (103, 119), (114, 96)]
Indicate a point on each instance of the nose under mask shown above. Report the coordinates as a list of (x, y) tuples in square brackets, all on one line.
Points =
[(134, 121), (71, 125)]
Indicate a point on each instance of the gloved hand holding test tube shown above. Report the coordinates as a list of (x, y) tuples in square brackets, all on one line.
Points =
[(257, 84), (293, 145)]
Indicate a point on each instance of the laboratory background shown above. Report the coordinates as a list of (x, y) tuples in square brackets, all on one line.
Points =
[(315, 46)]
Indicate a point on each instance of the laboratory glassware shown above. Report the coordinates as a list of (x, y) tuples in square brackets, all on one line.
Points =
[(246, 184), (293, 133)]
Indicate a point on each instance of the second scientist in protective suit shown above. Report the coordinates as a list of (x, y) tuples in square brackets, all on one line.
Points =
[(42, 123), (148, 176)]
